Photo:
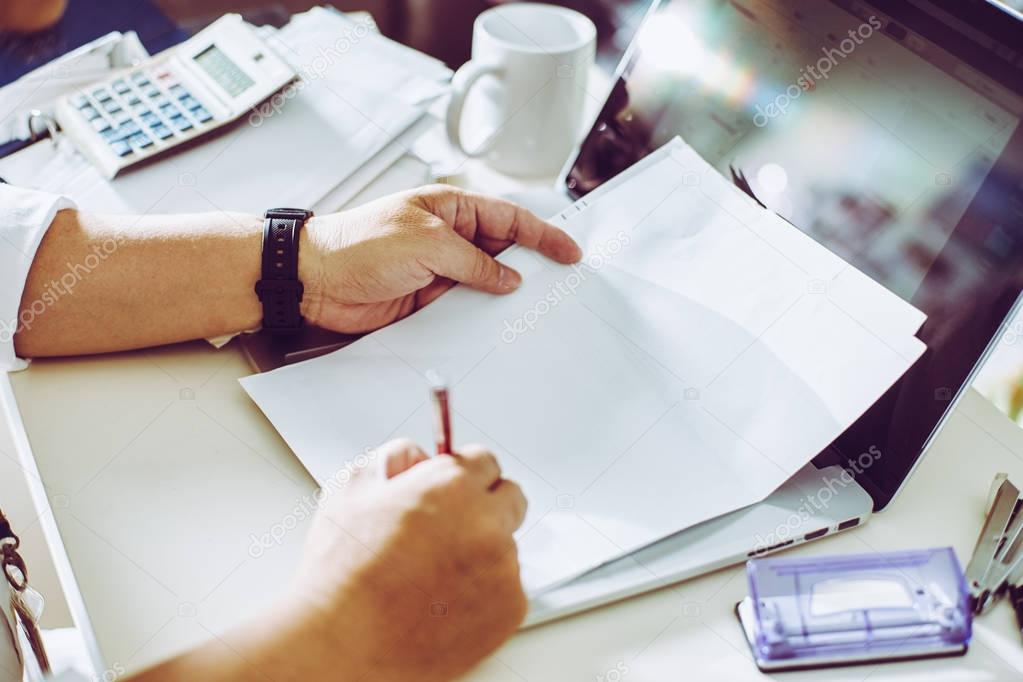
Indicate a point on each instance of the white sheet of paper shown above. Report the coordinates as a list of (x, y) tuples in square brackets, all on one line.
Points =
[(686, 368), (322, 41)]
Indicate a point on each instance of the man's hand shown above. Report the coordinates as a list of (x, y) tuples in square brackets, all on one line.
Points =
[(410, 573), (103, 283), (413, 568), (375, 264)]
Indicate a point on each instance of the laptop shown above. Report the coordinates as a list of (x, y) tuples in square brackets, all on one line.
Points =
[(889, 132)]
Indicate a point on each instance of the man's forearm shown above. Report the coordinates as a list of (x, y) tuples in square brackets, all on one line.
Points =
[(288, 643), (103, 283), (267, 649)]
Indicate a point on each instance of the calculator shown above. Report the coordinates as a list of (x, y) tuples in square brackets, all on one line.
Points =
[(184, 93)]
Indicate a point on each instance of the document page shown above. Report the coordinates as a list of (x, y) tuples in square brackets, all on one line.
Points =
[(702, 352)]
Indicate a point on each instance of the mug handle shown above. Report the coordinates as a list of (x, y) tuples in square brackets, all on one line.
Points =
[(464, 79)]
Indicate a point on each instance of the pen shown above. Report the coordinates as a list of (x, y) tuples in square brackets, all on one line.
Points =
[(442, 412)]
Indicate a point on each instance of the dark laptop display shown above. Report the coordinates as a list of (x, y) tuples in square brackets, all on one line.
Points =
[(888, 131)]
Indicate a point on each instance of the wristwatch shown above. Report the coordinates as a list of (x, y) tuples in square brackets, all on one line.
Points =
[(280, 290)]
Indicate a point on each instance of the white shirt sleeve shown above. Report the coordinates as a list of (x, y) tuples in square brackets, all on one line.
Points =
[(25, 215)]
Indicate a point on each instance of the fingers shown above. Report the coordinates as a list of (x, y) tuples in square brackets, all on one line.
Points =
[(481, 463), (432, 291), (462, 261), (506, 498), (501, 498), (398, 456), (494, 224), (512, 502)]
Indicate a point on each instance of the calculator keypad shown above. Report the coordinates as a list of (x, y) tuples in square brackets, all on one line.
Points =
[(131, 113)]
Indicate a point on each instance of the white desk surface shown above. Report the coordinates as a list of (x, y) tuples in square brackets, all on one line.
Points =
[(161, 471)]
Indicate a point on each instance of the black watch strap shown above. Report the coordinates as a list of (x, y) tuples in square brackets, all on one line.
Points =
[(280, 290)]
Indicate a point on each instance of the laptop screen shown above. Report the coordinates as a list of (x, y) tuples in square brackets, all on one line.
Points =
[(888, 131)]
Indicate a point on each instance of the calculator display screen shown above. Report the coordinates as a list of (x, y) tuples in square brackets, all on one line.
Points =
[(224, 71)]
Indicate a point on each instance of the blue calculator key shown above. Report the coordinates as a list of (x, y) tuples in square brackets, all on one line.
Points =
[(152, 91), (179, 91), (181, 123), (111, 106), (121, 86), (111, 134), (101, 94), (140, 108), (140, 140), (128, 129), (150, 119), (139, 77), (190, 102), (79, 101), (162, 131), (121, 148), (202, 115), (99, 124), (133, 99), (158, 101), (121, 117), (89, 112), (169, 110)]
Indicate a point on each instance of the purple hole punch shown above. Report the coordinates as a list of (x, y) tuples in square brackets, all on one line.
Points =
[(843, 610)]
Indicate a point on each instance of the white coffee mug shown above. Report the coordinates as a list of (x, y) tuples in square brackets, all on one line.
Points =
[(530, 63)]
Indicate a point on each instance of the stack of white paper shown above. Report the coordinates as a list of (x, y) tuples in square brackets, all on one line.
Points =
[(702, 353), (349, 50)]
